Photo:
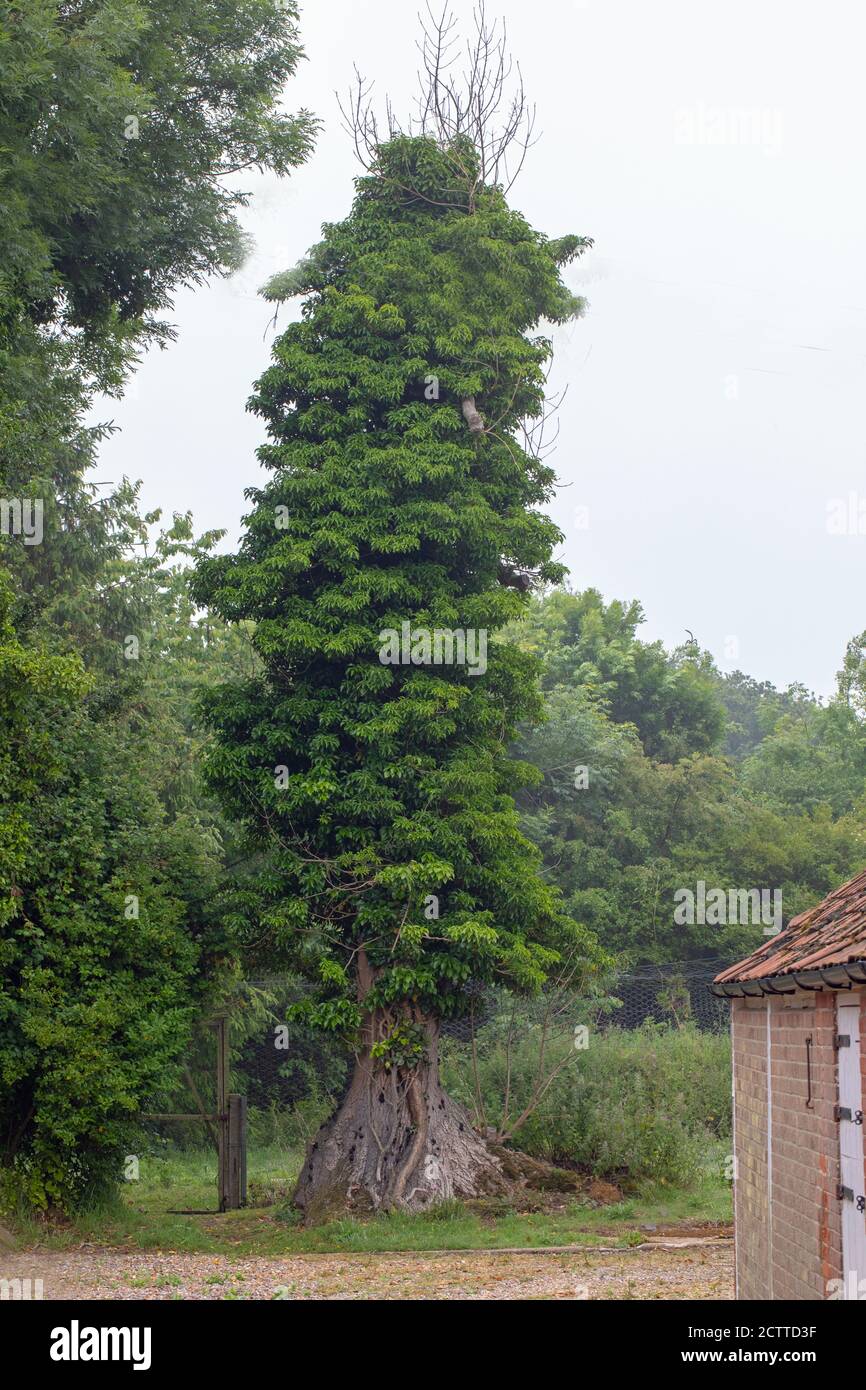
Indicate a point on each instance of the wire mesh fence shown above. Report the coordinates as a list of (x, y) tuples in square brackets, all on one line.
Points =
[(673, 994), (563, 1075)]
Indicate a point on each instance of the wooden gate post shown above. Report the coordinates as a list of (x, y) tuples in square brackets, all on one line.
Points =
[(222, 1077), (237, 1155)]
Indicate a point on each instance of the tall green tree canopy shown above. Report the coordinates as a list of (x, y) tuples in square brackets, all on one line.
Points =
[(385, 508), (124, 126)]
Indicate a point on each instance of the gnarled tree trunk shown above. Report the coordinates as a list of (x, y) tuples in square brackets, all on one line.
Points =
[(397, 1140)]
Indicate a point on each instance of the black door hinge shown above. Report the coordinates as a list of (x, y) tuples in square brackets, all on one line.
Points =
[(845, 1193), (842, 1112), (842, 1040)]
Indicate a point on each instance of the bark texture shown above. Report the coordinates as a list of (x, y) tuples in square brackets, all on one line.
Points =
[(397, 1140)]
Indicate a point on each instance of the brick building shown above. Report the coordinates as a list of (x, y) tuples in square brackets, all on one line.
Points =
[(797, 1016)]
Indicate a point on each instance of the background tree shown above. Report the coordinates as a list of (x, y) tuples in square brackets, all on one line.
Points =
[(119, 124), (639, 795), (671, 701)]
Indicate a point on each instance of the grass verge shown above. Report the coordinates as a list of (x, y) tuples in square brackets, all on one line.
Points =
[(150, 1215)]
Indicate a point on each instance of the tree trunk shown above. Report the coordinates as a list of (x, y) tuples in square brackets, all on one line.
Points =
[(397, 1140), (473, 416)]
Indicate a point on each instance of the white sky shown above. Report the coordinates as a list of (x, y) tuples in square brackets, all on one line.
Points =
[(715, 388)]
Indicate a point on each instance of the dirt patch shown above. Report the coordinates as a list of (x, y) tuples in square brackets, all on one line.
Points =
[(693, 1231)]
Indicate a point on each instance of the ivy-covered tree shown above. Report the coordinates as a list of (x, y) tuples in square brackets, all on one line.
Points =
[(368, 763)]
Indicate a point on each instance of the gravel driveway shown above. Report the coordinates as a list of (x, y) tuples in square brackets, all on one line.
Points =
[(701, 1270)]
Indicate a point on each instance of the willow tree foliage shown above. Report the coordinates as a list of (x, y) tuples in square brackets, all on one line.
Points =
[(399, 531)]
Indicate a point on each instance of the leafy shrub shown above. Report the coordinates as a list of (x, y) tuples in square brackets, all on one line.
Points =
[(640, 1104)]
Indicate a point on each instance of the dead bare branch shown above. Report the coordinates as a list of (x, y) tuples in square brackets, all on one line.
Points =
[(480, 105)]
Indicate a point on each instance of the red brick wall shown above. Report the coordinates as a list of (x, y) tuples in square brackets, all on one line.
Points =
[(806, 1221), (749, 1031), (788, 1221)]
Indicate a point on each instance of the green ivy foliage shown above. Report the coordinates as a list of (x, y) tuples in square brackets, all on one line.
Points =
[(384, 508)]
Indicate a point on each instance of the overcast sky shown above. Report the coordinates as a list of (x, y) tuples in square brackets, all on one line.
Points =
[(713, 425)]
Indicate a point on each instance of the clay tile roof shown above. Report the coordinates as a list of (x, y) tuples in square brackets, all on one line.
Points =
[(833, 933)]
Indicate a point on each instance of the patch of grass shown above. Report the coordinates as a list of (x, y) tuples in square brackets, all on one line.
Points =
[(141, 1219)]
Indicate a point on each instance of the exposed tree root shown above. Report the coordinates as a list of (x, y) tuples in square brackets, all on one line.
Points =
[(397, 1141)]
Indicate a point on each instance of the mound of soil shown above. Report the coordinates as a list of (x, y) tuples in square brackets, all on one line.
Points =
[(526, 1174)]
